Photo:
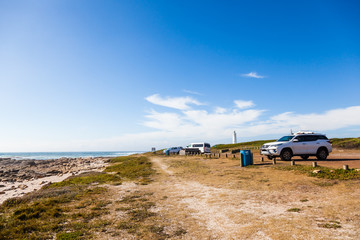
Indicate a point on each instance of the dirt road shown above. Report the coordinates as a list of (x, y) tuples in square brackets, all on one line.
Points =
[(216, 199)]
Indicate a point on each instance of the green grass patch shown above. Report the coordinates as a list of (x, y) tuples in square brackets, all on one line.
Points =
[(294, 210), (258, 143), (324, 172), (347, 143), (87, 178), (132, 168), (69, 235), (330, 224)]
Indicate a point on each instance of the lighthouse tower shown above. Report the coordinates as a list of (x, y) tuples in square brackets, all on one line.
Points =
[(234, 138)]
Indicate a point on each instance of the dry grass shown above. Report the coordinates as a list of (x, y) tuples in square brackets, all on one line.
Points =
[(196, 198), (215, 198)]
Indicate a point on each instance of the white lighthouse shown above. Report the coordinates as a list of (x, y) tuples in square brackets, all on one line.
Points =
[(234, 138)]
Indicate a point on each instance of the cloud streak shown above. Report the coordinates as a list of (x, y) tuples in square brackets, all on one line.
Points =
[(192, 92), (201, 125), (252, 75), (181, 103), (244, 104), (186, 125)]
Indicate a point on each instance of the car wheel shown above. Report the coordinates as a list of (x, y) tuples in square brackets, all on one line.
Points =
[(286, 155), (305, 157), (269, 157), (322, 154)]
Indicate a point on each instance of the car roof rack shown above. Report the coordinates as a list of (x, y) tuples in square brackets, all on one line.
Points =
[(304, 132), (308, 132)]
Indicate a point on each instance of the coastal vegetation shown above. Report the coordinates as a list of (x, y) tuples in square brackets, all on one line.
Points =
[(152, 196), (258, 143), (78, 207), (323, 172), (132, 168), (346, 143)]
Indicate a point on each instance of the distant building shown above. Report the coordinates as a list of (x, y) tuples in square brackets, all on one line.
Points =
[(234, 138)]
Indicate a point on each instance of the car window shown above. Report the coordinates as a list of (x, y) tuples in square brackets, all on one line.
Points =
[(300, 138), (310, 138), (322, 137), (207, 145), (285, 139)]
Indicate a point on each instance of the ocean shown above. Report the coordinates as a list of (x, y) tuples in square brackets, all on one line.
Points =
[(55, 155)]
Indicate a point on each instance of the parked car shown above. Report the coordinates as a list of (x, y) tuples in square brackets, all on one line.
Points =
[(302, 144), (203, 147), (173, 150)]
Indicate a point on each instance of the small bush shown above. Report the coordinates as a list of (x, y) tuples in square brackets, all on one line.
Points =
[(69, 235), (294, 210), (326, 173), (330, 224)]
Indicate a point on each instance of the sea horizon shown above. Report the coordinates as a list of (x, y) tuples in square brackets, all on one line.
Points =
[(64, 154)]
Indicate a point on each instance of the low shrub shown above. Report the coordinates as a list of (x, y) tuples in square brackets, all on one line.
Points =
[(324, 172)]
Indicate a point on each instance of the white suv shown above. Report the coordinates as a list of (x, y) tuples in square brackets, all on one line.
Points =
[(302, 144)]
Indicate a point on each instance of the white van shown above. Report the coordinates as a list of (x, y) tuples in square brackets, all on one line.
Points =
[(203, 147)]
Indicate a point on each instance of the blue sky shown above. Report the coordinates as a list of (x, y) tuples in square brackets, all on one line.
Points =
[(129, 75)]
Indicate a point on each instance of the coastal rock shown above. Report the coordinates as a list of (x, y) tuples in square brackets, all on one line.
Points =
[(53, 172), (22, 186), (27, 170), (28, 163)]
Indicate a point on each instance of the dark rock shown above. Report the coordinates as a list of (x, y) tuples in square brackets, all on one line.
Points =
[(28, 163), (53, 172)]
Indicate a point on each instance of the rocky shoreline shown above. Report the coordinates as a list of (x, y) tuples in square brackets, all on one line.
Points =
[(18, 177)]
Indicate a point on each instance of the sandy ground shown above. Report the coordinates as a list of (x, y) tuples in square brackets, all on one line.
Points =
[(219, 200)]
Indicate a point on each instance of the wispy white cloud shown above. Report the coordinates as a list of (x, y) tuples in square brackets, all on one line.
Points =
[(220, 110), (187, 125), (244, 104), (200, 125), (252, 75), (181, 103), (192, 92)]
